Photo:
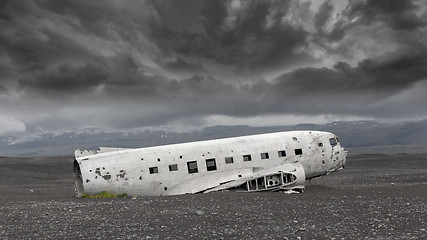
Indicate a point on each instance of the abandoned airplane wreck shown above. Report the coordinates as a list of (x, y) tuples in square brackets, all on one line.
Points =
[(263, 162)]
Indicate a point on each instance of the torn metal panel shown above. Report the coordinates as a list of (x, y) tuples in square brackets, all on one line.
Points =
[(264, 162), (284, 177), (79, 154)]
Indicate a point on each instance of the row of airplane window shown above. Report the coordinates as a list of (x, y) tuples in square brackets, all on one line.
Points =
[(211, 163)]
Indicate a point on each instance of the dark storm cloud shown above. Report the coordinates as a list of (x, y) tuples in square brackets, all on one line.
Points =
[(65, 78), (255, 37), (102, 18), (322, 16), (26, 45), (3, 89), (109, 77), (54, 60), (32, 51), (392, 72), (127, 64), (399, 15), (396, 14), (189, 33), (350, 89), (181, 65)]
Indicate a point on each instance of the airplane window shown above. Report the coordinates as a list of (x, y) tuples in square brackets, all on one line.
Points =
[(282, 153), (229, 160), (333, 142), (320, 144), (264, 156), (173, 167), (298, 151), (154, 170), (192, 167), (247, 158), (211, 164)]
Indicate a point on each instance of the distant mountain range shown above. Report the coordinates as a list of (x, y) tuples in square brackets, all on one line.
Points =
[(356, 136)]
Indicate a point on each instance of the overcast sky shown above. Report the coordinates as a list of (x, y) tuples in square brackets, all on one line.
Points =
[(184, 65)]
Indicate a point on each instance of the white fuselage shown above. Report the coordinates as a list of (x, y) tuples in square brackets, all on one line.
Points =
[(198, 166)]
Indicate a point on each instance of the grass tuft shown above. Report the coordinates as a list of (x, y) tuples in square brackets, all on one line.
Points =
[(105, 194)]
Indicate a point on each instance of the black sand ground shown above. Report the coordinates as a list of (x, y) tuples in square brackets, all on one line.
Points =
[(374, 197)]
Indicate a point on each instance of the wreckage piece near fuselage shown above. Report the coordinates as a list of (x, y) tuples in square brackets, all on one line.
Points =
[(263, 162)]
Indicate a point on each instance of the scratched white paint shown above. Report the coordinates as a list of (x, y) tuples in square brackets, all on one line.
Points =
[(121, 170)]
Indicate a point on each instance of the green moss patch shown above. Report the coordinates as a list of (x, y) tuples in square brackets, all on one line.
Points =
[(105, 194)]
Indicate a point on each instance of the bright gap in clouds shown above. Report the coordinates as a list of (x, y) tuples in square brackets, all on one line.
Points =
[(276, 120), (10, 125), (189, 125)]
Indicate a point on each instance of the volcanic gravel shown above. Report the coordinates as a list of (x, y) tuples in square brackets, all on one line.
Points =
[(374, 197)]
